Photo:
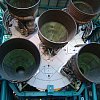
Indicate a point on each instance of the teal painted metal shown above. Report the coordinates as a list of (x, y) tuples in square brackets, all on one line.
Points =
[(50, 92), (95, 36), (4, 90), (2, 5), (96, 20), (52, 4), (86, 94), (79, 97), (94, 91), (56, 5)]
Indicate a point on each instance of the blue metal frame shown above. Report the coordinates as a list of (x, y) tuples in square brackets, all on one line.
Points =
[(50, 92), (4, 90), (48, 6), (94, 92)]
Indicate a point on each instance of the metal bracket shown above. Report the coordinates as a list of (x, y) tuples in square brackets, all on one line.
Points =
[(50, 89)]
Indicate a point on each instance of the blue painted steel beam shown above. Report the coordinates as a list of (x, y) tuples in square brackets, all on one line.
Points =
[(94, 91), (4, 90), (86, 94), (43, 94), (79, 97)]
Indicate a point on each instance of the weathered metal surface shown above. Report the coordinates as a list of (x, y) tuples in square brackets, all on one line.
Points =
[(83, 11), (19, 60), (86, 68), (61, 17)]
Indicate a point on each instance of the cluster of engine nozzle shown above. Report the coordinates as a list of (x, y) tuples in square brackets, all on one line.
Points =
[(19, 70)]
